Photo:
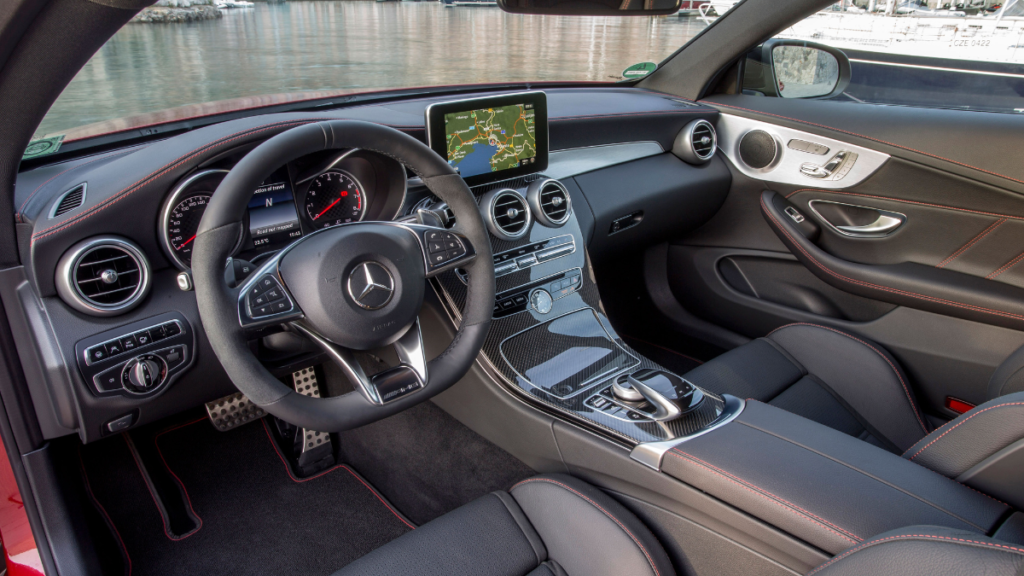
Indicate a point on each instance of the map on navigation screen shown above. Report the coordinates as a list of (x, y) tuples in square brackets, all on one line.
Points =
[(491, 139)]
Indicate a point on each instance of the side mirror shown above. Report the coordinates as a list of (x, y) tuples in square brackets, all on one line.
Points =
[(799, 69), (592, 7)]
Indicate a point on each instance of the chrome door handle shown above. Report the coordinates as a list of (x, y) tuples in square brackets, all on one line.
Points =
[(883, 225)]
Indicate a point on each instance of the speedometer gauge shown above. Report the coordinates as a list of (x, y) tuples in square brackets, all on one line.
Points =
[(183, 224), (335, 197)]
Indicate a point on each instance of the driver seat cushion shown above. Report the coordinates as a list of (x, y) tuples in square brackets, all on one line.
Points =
[(551, 525), (843, 381)]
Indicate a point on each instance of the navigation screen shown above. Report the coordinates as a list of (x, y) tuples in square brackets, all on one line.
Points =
[(491, 139), (273, 220)]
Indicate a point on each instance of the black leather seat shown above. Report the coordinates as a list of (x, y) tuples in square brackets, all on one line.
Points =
[(556, 525), (548, 525), (834, 378)]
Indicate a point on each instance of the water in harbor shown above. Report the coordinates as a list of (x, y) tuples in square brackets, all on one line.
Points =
[(326, 46)]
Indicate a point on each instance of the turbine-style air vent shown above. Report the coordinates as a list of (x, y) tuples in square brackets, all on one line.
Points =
[(103, 276), (696, 142), (507, 214), (550, 202), (69, 201)]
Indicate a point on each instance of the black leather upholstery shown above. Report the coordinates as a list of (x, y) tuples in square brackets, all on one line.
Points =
[(826, 488), (826, 375), (1008, 377), (927, 551), (552, 525), (967, 440)]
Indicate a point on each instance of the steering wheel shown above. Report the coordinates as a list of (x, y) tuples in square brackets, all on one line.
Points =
[(351, 287)]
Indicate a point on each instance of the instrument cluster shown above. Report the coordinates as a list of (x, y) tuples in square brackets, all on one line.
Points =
[(309, 194)]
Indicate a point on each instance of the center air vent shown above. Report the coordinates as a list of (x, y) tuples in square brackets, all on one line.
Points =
[(696, 142), (103, 276), (506, 213), (550, 202), (69, 201)]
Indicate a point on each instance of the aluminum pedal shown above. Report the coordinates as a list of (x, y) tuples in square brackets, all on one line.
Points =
[(315, 445), (232, 411)]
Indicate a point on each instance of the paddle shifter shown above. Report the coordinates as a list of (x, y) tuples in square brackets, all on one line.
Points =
[(670, 395)]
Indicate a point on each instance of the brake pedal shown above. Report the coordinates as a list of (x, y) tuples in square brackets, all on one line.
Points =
[(232, 411)]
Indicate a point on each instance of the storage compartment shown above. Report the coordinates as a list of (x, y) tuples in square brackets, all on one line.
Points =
[(565, 356), (820, 485)]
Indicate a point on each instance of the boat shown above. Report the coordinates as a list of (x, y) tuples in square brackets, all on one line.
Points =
[(229, 4)]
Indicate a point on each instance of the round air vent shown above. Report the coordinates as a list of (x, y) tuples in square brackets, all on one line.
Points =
[(758, 149), (696, 142), (103, 276), (550, 202), (506, 213)]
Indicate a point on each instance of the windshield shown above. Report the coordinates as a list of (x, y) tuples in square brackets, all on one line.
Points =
[(247, 55)]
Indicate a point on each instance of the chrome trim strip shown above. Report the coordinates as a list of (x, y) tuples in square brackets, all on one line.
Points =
[(73, 296), (573, 161), (650, 454)]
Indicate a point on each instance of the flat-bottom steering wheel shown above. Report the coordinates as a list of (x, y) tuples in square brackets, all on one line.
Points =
[(357, 286)]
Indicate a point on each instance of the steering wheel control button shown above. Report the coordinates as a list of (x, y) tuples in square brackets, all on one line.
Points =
[(541, 301), (371, 285)]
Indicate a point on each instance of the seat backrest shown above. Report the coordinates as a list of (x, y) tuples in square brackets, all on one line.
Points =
[(927, 551)]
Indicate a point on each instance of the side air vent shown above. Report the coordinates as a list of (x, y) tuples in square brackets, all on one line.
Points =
[(550, 202), (696, 142), (69, 201), (103, 276), (506, 213)]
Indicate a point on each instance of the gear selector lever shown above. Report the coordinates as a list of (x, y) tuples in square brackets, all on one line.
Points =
[(670, 395)]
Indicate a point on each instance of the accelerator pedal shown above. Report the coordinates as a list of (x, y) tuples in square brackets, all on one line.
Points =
[(315, 453), (232, 411)]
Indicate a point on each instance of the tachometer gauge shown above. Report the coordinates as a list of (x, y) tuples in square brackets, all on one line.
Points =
[(183, 223), (334, 197)]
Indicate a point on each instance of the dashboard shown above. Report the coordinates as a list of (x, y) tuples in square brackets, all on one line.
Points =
[(142, 205), (300, 197)]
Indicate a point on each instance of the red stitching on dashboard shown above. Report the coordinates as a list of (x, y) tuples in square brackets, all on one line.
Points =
[(918, 453), (970, 243), (124, 193), (288, 469), (870, 543), (596, 505), (929, 154), (885, 288), (906, 390), (58, 175), (845, 534)]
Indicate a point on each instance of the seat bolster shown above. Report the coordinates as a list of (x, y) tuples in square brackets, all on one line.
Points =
[(863, 374), (926, 551), (586, 531), (970, 438), (481, 537)]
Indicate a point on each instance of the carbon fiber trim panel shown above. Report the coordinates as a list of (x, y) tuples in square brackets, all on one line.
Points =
[(529, 357)]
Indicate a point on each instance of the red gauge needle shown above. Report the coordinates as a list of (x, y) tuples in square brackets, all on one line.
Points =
[(326, 209), (187, 241)]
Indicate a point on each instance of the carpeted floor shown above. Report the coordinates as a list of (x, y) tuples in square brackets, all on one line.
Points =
[(253, 516)]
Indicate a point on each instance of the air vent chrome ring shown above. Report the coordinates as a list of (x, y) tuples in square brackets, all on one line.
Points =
[(550, 202), (696, 142), (506, 213), (103, 276)]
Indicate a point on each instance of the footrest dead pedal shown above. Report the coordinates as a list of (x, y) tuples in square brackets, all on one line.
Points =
[(232, 411)]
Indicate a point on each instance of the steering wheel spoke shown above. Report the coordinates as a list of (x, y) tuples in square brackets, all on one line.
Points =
[(442, 249)]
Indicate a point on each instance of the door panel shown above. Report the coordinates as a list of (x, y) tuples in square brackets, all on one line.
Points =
[(943, 290)]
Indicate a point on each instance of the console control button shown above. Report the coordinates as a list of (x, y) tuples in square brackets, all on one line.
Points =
[(128, 343), (143, 338), (173, 356), (541, 301), (96, 353), (113, 348), (119, 424), (170, 329), (143, 373)]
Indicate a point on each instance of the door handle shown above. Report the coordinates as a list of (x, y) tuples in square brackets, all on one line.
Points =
[(883, 225), (856, 221)]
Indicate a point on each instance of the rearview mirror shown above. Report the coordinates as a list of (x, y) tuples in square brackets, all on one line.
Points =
[(592, 7), (807, 70)]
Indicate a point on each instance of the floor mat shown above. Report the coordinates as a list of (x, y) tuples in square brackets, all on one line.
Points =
[(674, 360), (255, 517)]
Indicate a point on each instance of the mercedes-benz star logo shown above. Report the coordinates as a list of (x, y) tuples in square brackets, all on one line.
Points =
[(370, 285)]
